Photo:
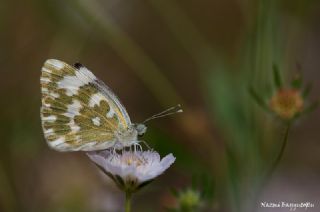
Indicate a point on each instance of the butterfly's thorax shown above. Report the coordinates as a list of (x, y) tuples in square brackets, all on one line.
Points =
[(127, 135)]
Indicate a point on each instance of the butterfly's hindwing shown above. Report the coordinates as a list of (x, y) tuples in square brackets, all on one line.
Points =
[(77, 114)]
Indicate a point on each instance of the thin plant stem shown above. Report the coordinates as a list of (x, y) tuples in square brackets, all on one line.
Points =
[(280, 154), (181, 25), (275, 163), (134, 55), (128, 201)]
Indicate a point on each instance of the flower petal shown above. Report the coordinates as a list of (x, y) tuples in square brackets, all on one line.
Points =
[(132, 166), (167, 161)]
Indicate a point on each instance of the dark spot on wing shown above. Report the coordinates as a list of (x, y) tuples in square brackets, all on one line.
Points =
[(77, 65)]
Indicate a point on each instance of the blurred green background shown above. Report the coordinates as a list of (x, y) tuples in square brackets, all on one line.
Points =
[(155, 54)]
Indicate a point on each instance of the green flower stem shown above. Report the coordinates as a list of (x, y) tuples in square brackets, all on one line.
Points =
[(128, 201), (133, 54), (181, 25), (273, 165), (283, 146)]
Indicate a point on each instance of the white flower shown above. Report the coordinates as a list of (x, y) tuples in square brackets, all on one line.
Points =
[(131, 169)]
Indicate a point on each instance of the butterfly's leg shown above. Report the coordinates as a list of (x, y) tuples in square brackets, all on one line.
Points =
[(117, 145), (146, 144), (139, 147), (136, 147), (113, 150)]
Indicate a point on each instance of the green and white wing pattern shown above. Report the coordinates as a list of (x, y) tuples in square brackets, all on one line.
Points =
[(79, 112)]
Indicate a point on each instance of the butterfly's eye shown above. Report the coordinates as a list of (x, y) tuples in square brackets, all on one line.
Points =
[(141, 129), (141, 134)]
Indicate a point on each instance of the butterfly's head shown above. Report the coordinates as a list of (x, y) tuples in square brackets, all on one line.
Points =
[(141, 129)]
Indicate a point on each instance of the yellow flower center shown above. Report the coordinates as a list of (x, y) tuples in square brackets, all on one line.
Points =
[(133, 160), (286, 103)]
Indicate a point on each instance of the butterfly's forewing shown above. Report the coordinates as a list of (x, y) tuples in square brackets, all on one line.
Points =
[(78, 111)]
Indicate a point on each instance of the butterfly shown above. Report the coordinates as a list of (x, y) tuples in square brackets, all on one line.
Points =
[(81, 113)]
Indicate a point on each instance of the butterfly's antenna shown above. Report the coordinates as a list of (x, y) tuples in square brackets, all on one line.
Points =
[(167, 112)]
